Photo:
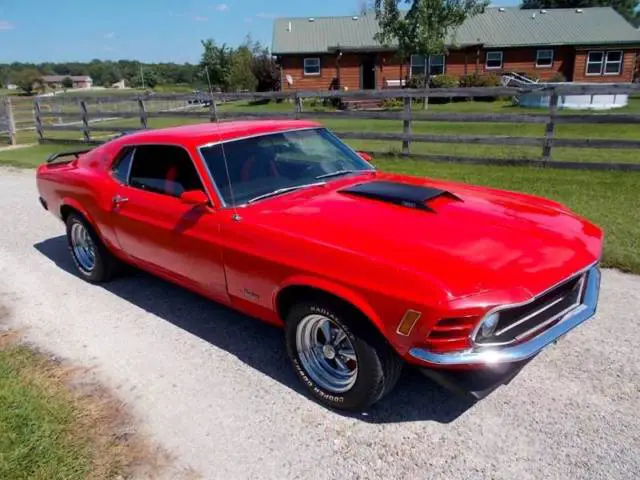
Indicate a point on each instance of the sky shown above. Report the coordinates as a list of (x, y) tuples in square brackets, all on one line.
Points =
[(144, 30)]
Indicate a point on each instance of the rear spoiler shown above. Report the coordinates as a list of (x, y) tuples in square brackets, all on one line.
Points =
[(74, 153)]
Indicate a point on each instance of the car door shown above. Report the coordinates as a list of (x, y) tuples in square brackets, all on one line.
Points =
[(156, 229)]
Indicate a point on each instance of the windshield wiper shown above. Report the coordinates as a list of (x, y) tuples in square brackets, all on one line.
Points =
[(337, 173), (280, 191)]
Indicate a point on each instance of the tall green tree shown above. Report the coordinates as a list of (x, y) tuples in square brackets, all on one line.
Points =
[(241, 75), (217, 61), (424, 26), (627, 8)]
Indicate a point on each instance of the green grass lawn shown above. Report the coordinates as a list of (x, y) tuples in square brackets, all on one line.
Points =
[(49, 431), (36, 421)]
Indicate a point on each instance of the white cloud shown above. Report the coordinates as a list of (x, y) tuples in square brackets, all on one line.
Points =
[(267, 15), (201, 19), (222, 7), (5, 25), (109, 35)]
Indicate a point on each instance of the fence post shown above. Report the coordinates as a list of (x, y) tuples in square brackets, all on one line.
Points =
[(38, 118), (298, 106), (426, 97), (143, 113), (12, 124), (549, 130), (85, 120), (406, 126), (213, 114)]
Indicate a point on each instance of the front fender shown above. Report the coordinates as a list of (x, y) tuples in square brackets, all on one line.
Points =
[(336, 289)]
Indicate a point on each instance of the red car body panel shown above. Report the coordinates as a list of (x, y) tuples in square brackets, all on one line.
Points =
[(466, 257)]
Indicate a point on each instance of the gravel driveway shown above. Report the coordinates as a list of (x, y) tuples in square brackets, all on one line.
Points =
[(215, 388)]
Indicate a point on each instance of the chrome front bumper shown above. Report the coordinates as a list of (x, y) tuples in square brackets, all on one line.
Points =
[(525, 350)]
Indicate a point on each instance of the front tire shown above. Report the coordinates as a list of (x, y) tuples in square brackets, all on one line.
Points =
[(93, 261), (338, 355)]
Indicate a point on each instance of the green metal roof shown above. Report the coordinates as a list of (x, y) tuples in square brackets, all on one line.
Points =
[(496, 27)]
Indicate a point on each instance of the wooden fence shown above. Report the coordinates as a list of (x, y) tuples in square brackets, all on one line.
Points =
[(85, 119)]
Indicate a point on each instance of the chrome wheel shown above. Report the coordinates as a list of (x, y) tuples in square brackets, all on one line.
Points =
[(83, 247), (326, 353)]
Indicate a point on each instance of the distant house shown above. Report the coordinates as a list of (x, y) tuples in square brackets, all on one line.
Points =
[(55, 81), (583, 45)]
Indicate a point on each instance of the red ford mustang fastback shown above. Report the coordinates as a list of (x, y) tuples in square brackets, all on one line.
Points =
[(364, 270)]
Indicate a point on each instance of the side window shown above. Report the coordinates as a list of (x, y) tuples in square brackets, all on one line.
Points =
[(122, 166), (164, 169)]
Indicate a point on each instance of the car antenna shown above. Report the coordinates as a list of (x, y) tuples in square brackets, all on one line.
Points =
[(236, 217)]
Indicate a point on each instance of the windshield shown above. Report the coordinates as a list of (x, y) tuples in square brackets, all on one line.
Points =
[(278, 163)]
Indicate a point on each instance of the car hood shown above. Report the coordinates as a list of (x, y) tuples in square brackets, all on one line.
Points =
[(472, 240)]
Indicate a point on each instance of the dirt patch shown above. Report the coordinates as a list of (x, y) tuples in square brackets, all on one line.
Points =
[(100, 426)]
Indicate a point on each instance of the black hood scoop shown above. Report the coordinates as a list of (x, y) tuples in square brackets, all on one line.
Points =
[(411, 196)]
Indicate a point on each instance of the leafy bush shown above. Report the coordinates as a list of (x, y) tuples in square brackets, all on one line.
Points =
[(417, 81), (475, 80), (443, 81), (392, 103), (472, 80)]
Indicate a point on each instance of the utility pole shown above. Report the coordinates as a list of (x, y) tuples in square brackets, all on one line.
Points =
[(142, 76)]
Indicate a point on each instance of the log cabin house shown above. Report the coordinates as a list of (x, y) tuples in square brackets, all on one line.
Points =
[(582, 45)]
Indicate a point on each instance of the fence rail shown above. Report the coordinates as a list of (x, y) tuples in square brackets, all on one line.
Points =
[(96, 114)]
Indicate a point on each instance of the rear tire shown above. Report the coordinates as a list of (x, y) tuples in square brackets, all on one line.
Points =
[(343, 361), (93, 261)]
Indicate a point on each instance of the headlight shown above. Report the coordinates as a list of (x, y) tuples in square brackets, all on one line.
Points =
[(489, 325)]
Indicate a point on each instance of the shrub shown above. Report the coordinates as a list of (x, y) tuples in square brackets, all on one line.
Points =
[(443, 81), (392, 103), (558, 77), (491, 81), (472, 80), (417, 81), (475, 80)]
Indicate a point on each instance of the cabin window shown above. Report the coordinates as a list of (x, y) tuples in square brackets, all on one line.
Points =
[(493, 60), (613, 63), (312, 66), (419, 65), (594, 63), (544, 58)]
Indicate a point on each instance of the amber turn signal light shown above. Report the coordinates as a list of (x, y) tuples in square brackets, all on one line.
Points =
[(408, 321)]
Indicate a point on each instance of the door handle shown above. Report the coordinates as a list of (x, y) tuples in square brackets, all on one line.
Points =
[(117, 200)]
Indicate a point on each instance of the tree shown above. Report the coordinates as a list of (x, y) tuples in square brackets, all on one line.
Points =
[(424, 27), (67, 82), (266, 72), (28, 80), (217, 62), (241, 73), (626, 8)]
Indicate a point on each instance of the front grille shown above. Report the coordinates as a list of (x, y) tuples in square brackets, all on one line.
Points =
[(519, 323)]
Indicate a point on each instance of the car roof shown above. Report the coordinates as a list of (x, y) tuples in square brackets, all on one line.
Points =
[(200, 134)]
